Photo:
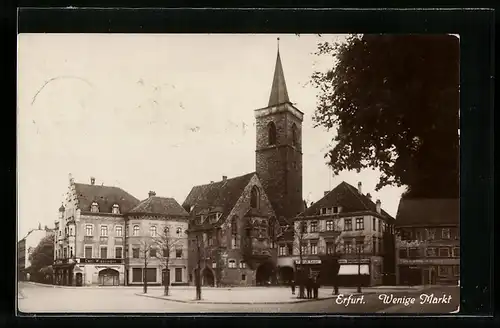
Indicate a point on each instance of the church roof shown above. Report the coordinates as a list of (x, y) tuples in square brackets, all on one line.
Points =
[(105, 196), (427, 212), (222, 194), (347, 197), (160, 206), (279, 93)]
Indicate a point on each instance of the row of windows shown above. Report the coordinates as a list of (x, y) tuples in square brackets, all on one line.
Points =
[(151, 274), (348, 245), (348, 225), (448, 270), (103, 252), (414, 252), (137, 253), (153, 231), (428, 234)]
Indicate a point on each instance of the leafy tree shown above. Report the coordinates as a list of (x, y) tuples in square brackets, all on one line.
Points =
[(43, 254), (394, 101)]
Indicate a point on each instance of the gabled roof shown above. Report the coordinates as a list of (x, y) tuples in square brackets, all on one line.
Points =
[(105, 196), (422, 212), (347, 197), (160, 206), (279, 93), (222, 194)]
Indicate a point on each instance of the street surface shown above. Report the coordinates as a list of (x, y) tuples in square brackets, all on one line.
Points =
[(48, 299)]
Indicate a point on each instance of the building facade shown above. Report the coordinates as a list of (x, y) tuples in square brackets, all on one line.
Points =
[(100, 229), (25, 248), (428, 242), (344, 225)]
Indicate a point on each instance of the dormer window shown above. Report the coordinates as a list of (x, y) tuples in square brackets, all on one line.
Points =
[(116, 209), (94, 208), (335, 210)]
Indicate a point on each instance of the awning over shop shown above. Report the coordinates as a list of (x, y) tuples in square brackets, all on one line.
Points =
[(285, 262), (352, 269)]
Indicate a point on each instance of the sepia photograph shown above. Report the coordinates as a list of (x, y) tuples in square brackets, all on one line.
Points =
[(238, 173)]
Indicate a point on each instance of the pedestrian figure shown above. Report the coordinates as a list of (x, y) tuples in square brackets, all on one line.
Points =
[(292, 284), (309, 287), (315, 287)]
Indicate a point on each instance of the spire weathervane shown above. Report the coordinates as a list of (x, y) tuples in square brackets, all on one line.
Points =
[(278, 39)]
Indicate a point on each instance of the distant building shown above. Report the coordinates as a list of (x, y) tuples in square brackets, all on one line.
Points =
[(345, 224), (26, 246), (100, 230), (428, 243)]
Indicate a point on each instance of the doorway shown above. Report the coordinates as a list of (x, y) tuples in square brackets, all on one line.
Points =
[(79, 279), (208, 277), (109, 277), (264, 274)]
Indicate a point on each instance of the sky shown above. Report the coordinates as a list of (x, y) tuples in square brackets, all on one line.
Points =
[(159, 112)]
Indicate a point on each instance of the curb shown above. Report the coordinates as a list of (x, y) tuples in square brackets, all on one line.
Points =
[(246, 303)]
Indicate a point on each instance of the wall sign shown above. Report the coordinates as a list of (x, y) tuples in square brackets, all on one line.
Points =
[(102, 261), (308, 262), (353, 261)]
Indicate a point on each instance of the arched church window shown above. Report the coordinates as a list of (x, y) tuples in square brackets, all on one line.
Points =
[(254, 198), (294, 135), (271, 127), (234, 226)]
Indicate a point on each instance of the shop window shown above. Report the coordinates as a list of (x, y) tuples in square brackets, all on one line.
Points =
[(151, 274), (178, 274), (136, 275)]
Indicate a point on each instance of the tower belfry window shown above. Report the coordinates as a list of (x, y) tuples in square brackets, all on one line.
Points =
[(294, 135), (271, 127)]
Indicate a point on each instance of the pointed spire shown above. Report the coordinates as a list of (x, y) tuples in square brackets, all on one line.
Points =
[(279, 94)]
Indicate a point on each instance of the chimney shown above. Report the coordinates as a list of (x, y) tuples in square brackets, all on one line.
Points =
[(359, 187), (378, 203), (369, 196), (152, 194), (224, 177), (92, 180), (325, 193)]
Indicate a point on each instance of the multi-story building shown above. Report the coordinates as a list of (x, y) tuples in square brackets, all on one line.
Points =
[(92, 243), (26, 246), (345, 224), (428, 242)]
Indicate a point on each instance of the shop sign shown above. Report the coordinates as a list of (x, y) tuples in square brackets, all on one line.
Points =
[(353, 261), (308, 261), (102, 261)]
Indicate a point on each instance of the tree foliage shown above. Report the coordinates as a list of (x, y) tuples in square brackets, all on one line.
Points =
[(43, 254), (394, 101)]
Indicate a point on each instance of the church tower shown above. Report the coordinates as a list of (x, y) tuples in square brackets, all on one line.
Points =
[(279, 149)]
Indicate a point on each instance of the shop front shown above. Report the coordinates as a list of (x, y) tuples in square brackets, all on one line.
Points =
[(100, 272), (354, 272)]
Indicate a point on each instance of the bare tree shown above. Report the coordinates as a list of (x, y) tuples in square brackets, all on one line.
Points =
[(145, 247), (166, 244)]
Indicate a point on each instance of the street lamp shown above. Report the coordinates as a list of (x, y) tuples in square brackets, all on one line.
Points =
[(359, 242)]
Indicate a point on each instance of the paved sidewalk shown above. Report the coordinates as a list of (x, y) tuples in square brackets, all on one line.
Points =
[(244, 295)]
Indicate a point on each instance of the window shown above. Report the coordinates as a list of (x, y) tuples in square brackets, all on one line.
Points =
[(178, 253), (359, 246), (104, 252), (151, 274), (314, 248), (444, 252), (413, 252), (152, 252), (403, 253), (233, 242), (88, 252), (294, 135), (445, 233), (136, 275), (243, 265), (431, 234), (348, 246), (329, 225), (165, 252), (289, 248), (234, 226), (374, 245), (456, 270), (118, 252), (330, 248), (254, 198), (89, 230), (136, 230), (336, 209), (303, 249), (360, 224), (456, 252), (94, 208), (231, 264), (431, 252), (282, 250), (178, 231), (116, 209), (374, 224), (135, 253), (271, 130), (314, 226), (347, 224), (178, 274), (118, 231), (243, 277), (444, 270), (303, 227), (152, 231), (104, 230), (214, 264)]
